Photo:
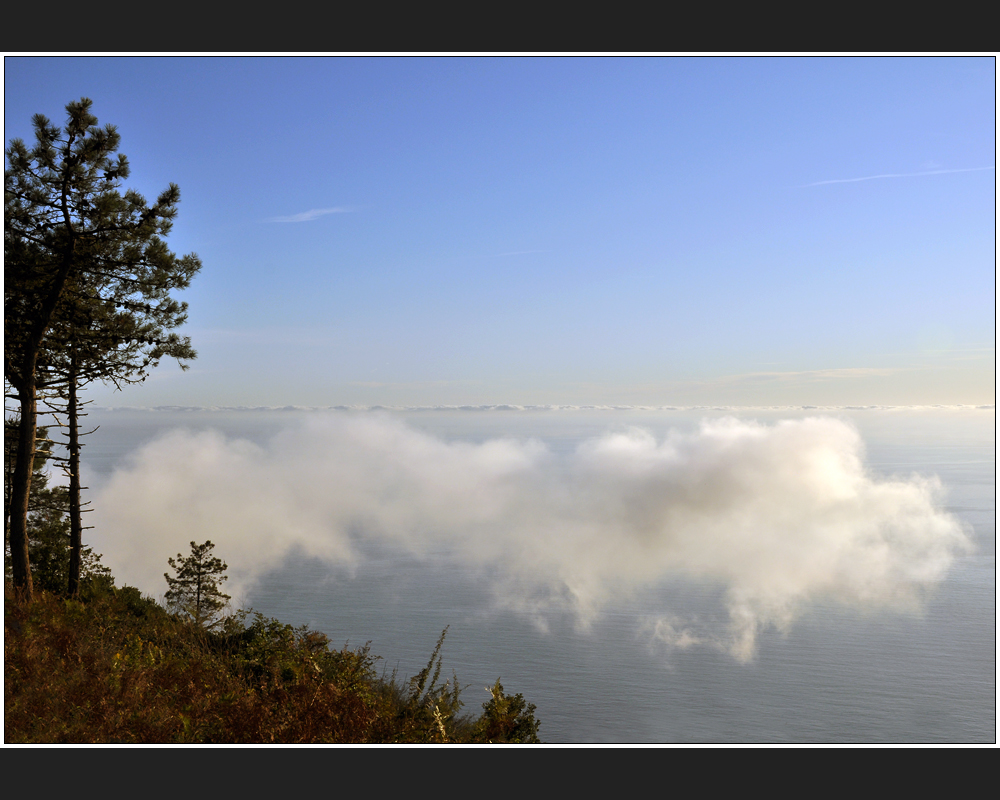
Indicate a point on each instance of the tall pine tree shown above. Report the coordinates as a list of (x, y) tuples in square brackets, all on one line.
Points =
[(87, 260)]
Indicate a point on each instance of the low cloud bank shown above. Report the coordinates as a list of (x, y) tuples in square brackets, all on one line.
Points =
[(778, 516)]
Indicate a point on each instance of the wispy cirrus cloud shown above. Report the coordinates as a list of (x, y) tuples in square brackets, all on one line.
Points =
[(311, 214), (896, 175)]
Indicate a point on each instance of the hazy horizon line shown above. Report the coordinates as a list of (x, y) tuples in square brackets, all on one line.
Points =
[(515, 407)]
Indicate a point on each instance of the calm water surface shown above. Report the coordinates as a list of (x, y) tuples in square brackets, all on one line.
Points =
[(837, 676)]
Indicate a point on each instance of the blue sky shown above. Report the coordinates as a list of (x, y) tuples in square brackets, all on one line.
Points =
[(632, 231)]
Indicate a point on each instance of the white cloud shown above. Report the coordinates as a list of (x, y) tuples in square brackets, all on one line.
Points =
[(778, 516)]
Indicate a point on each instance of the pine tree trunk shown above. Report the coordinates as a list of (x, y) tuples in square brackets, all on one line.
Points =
[(9, 459), (26, 383), (75, 523), (21, 490)]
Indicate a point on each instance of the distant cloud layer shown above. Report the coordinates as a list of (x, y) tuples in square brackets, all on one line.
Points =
[(779, 517), (311, 214)]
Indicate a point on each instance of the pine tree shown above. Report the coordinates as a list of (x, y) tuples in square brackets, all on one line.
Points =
[(194, 592), (120, 348), (87, 261)]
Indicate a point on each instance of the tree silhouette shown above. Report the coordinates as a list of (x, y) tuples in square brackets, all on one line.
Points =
[(86, 265)]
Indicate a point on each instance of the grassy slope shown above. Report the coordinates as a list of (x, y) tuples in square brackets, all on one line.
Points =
[(119, 668)]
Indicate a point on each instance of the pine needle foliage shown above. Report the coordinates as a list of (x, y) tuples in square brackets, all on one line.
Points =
[(507, 719), (194, 591), (87, 283)]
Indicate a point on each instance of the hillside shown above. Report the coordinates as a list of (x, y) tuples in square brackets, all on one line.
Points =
[(115, 667)]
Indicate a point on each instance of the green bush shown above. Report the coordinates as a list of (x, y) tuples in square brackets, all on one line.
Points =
[(507, 719)]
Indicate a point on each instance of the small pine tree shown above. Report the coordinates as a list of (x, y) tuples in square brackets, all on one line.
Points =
[(195, 592)]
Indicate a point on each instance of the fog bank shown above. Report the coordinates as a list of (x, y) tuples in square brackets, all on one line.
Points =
[(779, 516)]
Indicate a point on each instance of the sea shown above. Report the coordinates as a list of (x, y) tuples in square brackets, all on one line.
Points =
[(838, 673)]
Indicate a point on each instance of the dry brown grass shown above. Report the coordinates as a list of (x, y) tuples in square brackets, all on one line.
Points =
[(118, 668)]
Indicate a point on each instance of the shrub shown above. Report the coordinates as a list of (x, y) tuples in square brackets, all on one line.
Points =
[(117, 667), (507, 719)]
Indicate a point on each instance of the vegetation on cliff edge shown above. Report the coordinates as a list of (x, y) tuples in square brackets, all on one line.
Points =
[(115, 667)]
